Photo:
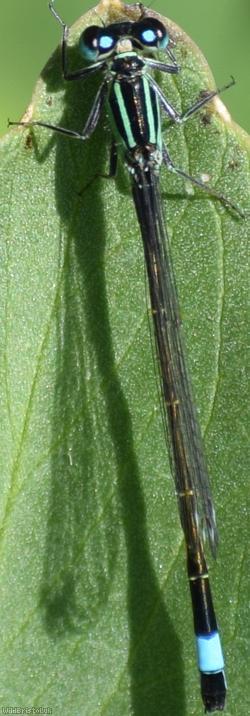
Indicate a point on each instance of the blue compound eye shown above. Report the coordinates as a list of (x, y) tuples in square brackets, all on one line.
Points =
[(151, 33), (89, 43), (96, 41)]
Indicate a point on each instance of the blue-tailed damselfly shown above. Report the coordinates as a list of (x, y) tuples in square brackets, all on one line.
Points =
[(134, 102)]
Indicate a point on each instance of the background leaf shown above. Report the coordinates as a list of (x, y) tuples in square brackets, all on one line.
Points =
[(95, 607)]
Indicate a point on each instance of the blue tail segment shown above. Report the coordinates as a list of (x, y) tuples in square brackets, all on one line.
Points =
[(209, 653), (208, 644)]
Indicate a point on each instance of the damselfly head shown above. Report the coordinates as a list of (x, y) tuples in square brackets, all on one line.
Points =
[(100, 42)]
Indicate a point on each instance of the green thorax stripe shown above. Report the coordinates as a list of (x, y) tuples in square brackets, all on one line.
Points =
[(135, 112)]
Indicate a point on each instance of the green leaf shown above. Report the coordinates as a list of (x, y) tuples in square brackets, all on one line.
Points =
[(95, 610)]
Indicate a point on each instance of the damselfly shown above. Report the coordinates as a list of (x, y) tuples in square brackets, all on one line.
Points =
[(134, 102)]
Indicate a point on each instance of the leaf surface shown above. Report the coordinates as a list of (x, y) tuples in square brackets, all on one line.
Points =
[(95, 607)]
